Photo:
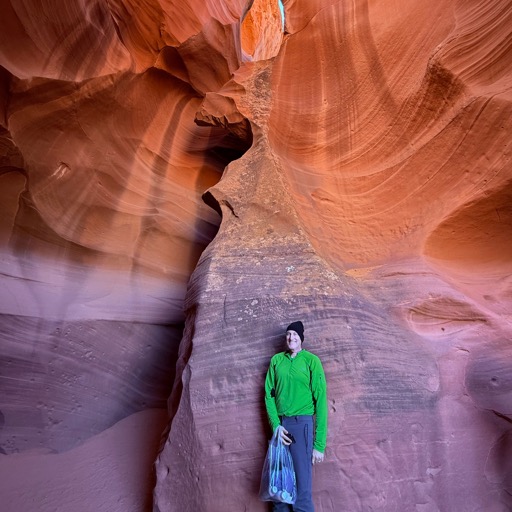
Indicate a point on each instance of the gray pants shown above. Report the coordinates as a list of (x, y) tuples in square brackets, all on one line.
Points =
[(301, 428)]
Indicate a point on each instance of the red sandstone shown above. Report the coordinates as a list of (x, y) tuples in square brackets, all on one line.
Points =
[(361, 163)]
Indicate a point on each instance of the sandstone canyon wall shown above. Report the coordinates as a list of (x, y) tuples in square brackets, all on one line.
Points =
[(360, 163)]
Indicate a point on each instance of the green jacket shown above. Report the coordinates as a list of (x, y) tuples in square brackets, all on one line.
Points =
[(296, 386)]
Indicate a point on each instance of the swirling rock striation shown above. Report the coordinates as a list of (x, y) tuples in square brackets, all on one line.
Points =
[(373, 205), (365, 161), (102, 169)]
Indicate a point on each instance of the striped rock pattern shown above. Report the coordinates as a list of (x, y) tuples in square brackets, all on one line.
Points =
[(361, 166)]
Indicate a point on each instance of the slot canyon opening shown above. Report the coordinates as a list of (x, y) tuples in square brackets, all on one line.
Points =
[(262, 29)]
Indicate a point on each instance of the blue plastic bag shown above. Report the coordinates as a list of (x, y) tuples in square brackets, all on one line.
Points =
[(278, 481)]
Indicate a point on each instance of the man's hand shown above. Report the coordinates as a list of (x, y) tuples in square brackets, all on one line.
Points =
[(282, 435), (317, 456)]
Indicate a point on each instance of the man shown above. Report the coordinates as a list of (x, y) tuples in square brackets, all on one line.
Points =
[(295, 391)]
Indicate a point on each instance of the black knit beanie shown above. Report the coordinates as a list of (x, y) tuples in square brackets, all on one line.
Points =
[(298, 328)]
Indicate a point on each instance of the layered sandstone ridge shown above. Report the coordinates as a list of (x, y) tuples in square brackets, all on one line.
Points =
[(361, 165), (373, 204)]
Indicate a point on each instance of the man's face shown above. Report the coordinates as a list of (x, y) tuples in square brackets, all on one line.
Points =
[(293, 341)]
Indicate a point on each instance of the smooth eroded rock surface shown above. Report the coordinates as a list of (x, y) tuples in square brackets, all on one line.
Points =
[(102, 168), (110, 471), (359, 158), (373, 206)]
